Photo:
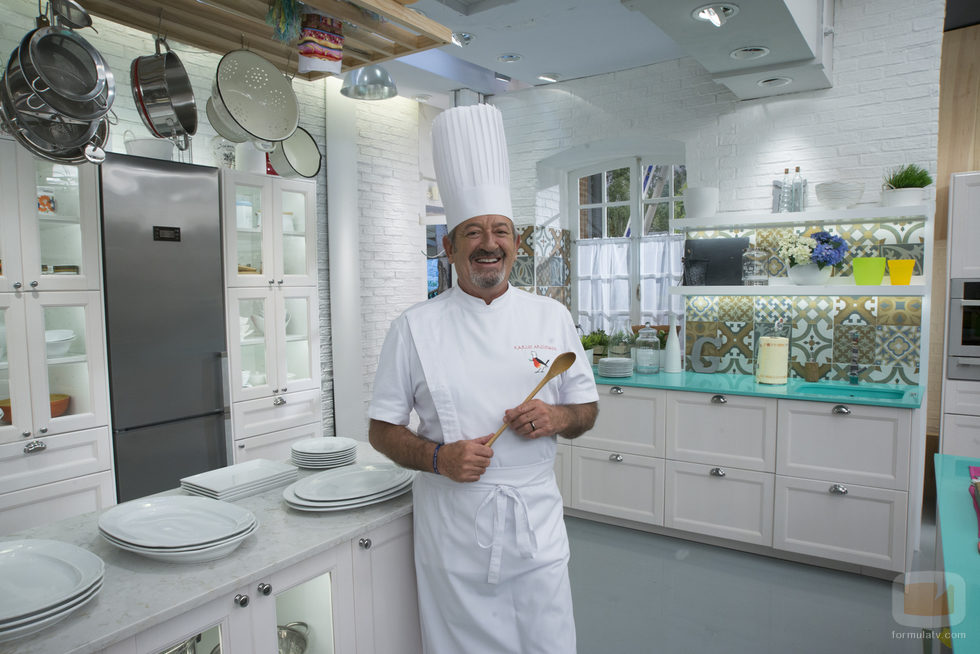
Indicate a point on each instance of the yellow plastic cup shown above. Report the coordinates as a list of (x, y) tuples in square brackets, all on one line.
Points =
[(868, 271), (900, 271)]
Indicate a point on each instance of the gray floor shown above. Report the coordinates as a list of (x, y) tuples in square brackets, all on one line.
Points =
[(639, 593)]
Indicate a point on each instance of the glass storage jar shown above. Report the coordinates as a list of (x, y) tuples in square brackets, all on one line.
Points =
[(754, 270), (646, 351)]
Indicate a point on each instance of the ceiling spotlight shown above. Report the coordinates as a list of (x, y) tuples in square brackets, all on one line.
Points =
[(774, 82), (462, 38), (749, 52), (548, 77), (369, 83), (509, 57), (715, 14)]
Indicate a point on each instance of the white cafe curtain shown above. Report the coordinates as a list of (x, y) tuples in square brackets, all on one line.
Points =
[(660, 268)]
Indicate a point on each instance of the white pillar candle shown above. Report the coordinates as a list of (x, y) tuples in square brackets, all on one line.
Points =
[(773, 360)]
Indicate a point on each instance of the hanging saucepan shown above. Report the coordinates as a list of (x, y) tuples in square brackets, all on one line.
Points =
[(69, 71), (164, 97), (297, 156)]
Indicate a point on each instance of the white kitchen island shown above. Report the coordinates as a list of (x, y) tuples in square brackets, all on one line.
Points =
[(145, 606)]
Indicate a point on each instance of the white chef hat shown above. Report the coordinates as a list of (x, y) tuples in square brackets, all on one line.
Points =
[(470, 156)]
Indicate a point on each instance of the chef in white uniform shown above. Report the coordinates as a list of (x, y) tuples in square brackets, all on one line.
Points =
[(491, 552)]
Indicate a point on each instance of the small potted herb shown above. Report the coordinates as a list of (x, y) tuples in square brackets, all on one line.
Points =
[(903, 186), (594, 344)]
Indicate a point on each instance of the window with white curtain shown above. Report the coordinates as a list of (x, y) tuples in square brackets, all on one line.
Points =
[(626, 260)]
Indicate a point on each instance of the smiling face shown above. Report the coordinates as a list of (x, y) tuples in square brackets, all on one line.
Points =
[(483, 250)]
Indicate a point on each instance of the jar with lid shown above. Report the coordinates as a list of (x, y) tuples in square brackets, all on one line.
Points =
[(621, 339), (771, 350), (646, 351), (754, 270)]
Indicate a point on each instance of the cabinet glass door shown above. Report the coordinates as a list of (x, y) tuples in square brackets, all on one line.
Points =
[(296, 239), (59, 225), (15, 390), (248, 236), (252, 316), (299, 340), (10, 255)]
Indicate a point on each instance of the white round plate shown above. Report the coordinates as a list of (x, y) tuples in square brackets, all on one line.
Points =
[(351, 482), (174, 521), (34, 627), (36, 575), (67, 607), (301, 505), (191, 548), (209, 553), (323, 446)]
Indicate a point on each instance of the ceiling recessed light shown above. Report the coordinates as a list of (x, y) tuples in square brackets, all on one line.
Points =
[(462, 38), (774, 82), (749, 52), (423, 97), (509, 57), (548, 77), (715, 14)]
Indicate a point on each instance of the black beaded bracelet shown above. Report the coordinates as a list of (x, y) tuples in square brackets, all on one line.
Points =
[(435, 459)]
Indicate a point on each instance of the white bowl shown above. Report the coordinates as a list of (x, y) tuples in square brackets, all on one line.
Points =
[(59, 348), (151, 148), (55, 335), (839, 195)]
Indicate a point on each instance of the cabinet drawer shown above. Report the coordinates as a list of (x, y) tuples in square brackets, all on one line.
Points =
[(864, 526), (42, 505), (630, 420), (261, 416), (962, 397), (725, 502), (64, 456), (961, 435), (730, 430), (276, 446), (563, 472), (866, 445), (619, 485)]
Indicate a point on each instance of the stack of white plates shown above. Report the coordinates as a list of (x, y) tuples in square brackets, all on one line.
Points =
[(324, 452), (240, 480), (177, 528), (42, 582), (349, 488), (615, 367)]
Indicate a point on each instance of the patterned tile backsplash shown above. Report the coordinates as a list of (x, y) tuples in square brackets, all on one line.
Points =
[(543, 262), (884, 332)]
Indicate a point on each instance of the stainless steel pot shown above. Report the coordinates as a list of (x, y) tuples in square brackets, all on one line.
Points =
[(91, 152), (293, 638), (50, 129), (164, 96)]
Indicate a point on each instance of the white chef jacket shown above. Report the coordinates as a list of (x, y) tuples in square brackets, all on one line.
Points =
[(491, 556)]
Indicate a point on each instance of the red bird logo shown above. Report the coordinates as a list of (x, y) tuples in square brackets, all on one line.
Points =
[(539, 365)]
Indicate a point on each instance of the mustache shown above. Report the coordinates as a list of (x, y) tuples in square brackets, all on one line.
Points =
[(487, 253)]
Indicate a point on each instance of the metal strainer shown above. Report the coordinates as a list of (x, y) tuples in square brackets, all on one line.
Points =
[(258, 97)]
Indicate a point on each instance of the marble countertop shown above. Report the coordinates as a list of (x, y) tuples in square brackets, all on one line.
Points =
[(889, 395), (139, 592)]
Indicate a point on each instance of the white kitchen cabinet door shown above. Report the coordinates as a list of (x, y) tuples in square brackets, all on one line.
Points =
[(563, 471), (719, 501), (221, 621), (842, 522), (247, 213), (41, 505), (11, 265), (730, 430), (15, 379), (252, 342), (275, 446), (960, 435), (294, 233), (55, 458), (620, 485), (961, 397), (298, 339), (386, 610), (964, 230), (630, 420), (851, 443), (271, 414)]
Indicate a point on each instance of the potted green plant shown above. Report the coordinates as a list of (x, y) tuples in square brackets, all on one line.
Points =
[(594, 344), (903, 185)]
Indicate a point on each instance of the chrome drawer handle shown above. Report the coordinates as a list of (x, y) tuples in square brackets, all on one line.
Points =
[(264, 588), (364, 543), (719, 399), (841, 410), (616, 458), (34, 446), (241, 600), (838, 489), (717, 472), (615, 390), (279, 401)]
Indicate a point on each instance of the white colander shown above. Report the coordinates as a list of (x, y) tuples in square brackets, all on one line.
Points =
[(258, 97)]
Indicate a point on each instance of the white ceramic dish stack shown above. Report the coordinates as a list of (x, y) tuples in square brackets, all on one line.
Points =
[(240, 480), (350, 487), (42, 582), (322, 453), (177, 528), (615, 367)]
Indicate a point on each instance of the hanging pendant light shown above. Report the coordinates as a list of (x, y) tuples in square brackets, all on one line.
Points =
[(369, 83)]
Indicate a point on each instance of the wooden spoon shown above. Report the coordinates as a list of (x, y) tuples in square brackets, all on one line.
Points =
[(561, 363)]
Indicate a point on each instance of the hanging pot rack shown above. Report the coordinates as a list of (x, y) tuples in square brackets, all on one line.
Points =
[(374, 30)]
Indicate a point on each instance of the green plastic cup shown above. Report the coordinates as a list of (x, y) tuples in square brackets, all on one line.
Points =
[(868, 271)]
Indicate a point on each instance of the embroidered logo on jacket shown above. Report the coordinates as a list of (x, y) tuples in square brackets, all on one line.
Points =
[(540, 366)]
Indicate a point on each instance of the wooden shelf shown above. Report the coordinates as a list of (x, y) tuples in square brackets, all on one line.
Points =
[(374, 30), (859, 214), (845, 286)]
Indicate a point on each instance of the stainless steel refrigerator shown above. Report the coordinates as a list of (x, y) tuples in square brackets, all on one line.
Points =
[(165, 330)]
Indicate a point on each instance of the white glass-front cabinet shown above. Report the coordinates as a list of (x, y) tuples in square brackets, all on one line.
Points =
[(270, 230)]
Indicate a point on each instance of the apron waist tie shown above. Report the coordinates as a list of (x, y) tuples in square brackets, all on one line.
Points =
[(527, 543)]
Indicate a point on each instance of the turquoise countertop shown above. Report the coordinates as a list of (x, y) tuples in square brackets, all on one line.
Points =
[(891, 395), (957, 521)]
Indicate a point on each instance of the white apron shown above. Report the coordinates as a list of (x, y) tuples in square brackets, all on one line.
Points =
[(491, 556)]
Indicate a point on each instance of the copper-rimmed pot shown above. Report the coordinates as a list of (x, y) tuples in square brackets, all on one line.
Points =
[(163, 95)]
